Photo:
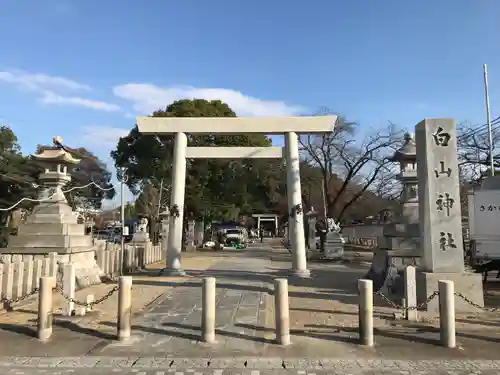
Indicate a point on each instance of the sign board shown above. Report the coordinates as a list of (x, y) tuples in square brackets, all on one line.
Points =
[(487, 213), (125, 230), (485, 224)]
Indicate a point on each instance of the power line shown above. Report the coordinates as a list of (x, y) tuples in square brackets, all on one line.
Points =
[(53, 195), (477, 129)]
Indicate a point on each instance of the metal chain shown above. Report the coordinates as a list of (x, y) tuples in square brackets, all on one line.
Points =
[(475, 304), (408, 308), (87, 304), (9, 302)]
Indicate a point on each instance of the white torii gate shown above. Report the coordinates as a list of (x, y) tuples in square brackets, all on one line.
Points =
[(289, 126)]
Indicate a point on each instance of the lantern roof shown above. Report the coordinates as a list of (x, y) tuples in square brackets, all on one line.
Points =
[(54, 154), (408, 150)]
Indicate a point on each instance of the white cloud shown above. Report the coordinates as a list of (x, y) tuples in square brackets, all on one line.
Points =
[(147, 98), (53, 90), (50, 97), (40, 82), (99, 136)]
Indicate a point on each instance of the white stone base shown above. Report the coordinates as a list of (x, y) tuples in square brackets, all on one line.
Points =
[(334, 246), (87, 271), (470, 285)]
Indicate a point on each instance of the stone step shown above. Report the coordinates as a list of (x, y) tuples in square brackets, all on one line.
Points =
[(48, 240), (52, 229), (45, 250), (52, 218)]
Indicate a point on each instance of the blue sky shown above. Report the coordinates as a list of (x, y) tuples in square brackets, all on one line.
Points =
[(84, 69)]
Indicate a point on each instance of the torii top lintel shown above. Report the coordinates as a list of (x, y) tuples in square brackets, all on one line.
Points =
[(235, 125)]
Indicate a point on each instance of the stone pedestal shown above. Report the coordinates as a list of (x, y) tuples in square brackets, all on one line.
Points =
[(334, 246), (140, 238), (470, 285), (387, 270)]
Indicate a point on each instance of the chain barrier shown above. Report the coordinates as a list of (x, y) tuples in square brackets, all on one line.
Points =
[(87, 304), (472, 303), (408, 308), (429, 299), (7, 303)]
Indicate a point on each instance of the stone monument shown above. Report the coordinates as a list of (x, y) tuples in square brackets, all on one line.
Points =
[(141, 235), (334, 243), (441, 217), (53, 226)]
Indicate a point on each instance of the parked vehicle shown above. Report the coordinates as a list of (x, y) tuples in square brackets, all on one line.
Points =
[(237, 237)]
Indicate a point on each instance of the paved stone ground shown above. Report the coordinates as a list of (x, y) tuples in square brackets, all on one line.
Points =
[(324, 329), (255, 366), (172, 325)]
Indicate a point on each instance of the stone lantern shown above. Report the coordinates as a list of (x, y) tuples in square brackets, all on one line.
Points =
[(400, 244), (312, 216), (54, 208), (53, 226), (406, 156), (165, 222)]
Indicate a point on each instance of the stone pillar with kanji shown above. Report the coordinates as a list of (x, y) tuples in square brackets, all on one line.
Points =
[(440, 216)]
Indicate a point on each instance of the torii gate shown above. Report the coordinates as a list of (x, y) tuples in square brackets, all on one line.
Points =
[(289, 126)]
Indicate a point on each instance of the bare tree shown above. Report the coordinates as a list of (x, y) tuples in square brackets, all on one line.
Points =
[(474, 150), (350, 168)]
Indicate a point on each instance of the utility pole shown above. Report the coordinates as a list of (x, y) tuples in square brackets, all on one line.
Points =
[(159, 198), (323, 195), (488, 118), (122, 189)]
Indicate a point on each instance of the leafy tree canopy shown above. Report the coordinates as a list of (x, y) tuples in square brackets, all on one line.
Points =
[(211, 185), (17, 173)]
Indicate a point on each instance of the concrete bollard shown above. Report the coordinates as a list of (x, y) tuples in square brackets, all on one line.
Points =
[(124, 325), (365, 311), (446, 290), (208, 310), (69, 287), (45, 308), (282, 312), (411, 293)]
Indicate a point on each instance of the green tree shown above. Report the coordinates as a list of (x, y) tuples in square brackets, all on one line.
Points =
[(212, 186), (17, 174)]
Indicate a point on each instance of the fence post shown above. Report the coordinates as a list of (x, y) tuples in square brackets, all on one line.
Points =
[(69, 286), (1, 282), (8, 281), (18, 280), (365, 289), (446, 290), (53, 264), (28, 277), (282, 313), (411, 294), (124, 325), (208, 310), (44, 330)]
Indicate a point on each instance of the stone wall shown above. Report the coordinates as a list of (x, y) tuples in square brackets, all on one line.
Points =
[(363, 234)]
